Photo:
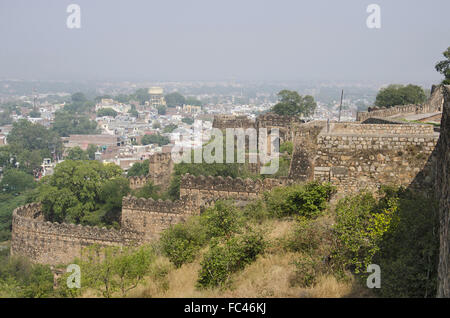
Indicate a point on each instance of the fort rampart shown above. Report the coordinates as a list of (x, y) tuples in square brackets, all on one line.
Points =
[(443, 190), (201, 188), (141, 221), (58, 243), (364, 156), (433, 104)]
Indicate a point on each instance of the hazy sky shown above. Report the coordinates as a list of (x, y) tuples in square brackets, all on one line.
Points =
[(223, 39)]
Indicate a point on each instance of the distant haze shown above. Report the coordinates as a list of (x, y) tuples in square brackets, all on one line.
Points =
[(223, 39)]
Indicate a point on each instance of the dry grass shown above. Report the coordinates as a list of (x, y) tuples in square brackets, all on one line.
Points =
[(269, 276)]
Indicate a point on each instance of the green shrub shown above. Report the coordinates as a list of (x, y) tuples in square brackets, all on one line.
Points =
[(359, 228), (226, 258), (307, 269), (409, 251), (21, 278), (287, 147), (398, 232), (308, 236), (255, 211), (181, 242), (306, 200), (113, 269), (222, 220)]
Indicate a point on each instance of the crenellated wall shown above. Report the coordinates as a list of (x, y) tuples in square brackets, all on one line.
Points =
[(137, 182), (58, 243), (283, 123), (142, 220), (159, 172), (150, 217), (232, 121), (201, 188), (160, 169), (433, 104)]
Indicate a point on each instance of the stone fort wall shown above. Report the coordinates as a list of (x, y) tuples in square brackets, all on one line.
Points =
[(433, 104), (268, 120), (159, 172), (357, 156), (231, 121), (142, 220), (58, 243), (203, 189), (443, 189), (149, 217)]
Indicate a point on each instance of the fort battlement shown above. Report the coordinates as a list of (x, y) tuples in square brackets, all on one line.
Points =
[(232, 121), (160, 158), (137, 181), (275, 120), (150, 217), (205, 188), (59, 243), (159, 172), (433, 104)]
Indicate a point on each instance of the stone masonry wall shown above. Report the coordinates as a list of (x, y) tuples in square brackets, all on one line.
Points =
[(357, 156), (231, 121), (137, 182), (354, 162), (443, 189), (160, 169), (150, 217), (305, 149), (58, 243), (433, 104), (393, 129), (203, 189)]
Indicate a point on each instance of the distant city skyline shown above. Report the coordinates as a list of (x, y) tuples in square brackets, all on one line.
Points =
[(200, 40)]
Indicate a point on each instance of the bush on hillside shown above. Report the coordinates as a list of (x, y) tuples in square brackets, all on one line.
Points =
[(224, 259), (181, 242), (307, 200)]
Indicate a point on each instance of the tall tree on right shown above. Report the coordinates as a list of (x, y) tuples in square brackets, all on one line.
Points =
[(443, 67)]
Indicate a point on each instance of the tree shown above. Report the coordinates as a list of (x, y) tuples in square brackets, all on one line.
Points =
[(28, 144), (78, 98), (291, 104), (174, 99), (169, 128), (155, 139), (16, 181), (91, 150), (110, 202), (139, 169), (115, 269), (193, 101), (396, 94), (79, 104), (122, 98), (443, 67), (142, 95), (76, 153), (66, 124), (73, 193), (106, 112), (34, 114), (188, 120), (161, 109)]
